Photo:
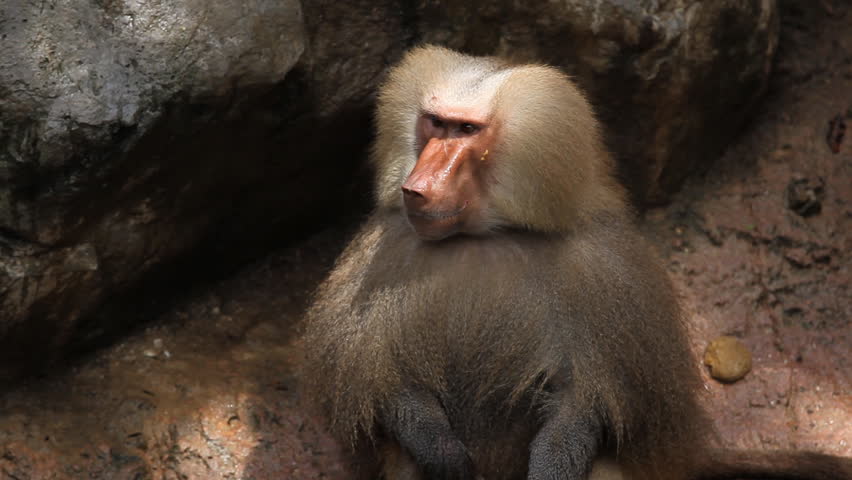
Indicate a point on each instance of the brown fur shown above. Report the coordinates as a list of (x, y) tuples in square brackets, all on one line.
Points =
[(486, 323), (557, 320)]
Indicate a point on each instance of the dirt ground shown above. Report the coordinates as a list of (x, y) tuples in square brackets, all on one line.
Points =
[(759, 245)]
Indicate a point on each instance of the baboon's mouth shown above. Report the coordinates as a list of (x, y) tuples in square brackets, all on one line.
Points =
[(437, 215), (437, 224)]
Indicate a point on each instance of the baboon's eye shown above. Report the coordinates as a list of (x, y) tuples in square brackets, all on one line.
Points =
[(468, 128)]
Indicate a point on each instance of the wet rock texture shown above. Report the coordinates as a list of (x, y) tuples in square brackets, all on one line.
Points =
[(210, 389), (139, 140)]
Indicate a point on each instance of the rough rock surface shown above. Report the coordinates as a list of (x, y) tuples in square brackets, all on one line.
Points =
[(135, 133), (109, 115)]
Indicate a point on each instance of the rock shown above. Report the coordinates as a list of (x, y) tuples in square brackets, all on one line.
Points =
[(729, 360), (799, 257), (804, 195), (142, 142), (836, 132), (106, 111)]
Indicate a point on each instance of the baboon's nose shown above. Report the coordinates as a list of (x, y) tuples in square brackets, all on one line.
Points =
[(414, 198)]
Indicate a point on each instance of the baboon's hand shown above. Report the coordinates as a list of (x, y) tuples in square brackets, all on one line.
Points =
[(420, 425), (449, 460), (563, 449)]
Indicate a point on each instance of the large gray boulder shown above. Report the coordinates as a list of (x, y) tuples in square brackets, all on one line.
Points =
[(135, 133), (103, 171)]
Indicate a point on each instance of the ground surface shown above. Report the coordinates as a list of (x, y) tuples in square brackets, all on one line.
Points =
[(210, 392), (757, 259)]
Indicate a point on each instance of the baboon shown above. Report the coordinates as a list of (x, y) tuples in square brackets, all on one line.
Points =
[(499, 315)]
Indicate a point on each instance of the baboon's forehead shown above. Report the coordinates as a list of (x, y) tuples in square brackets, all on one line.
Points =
[(473, 85)]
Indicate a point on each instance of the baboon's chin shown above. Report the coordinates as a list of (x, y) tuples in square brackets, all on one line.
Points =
[(433, 230)]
